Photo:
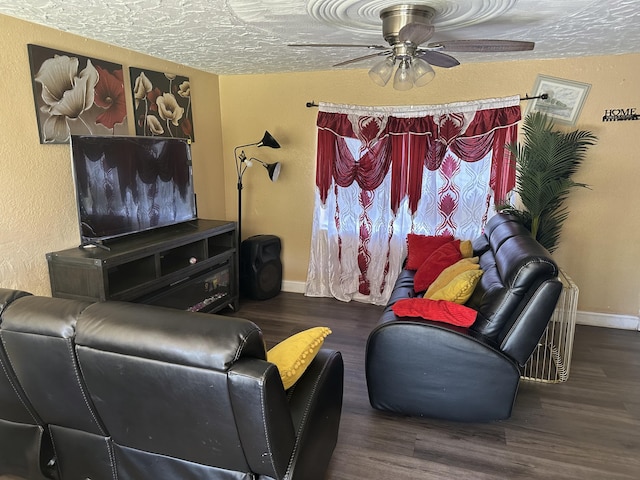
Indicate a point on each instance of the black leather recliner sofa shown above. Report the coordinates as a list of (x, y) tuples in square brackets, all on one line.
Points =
[(425, 368), (127, 391), (25, 447)]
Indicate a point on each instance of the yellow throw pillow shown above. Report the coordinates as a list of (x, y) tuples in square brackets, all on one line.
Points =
[(466, 249), (452, 272), (460, 288), (293, 355)]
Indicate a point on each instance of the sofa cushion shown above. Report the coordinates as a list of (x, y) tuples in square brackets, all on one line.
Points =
[(466, 248), (443, 257), (460, 288), (451, 272), (419, 247), (480, 245), (293, 355), (438, 310)]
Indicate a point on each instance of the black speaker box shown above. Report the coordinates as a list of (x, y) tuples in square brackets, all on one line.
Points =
[(260, 267)]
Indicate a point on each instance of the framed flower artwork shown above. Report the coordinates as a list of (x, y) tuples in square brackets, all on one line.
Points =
[(162, 104), (75, 94)]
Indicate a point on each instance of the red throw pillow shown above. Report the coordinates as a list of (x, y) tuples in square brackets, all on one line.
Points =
[(438, 310), (443, 257), (419, 247)]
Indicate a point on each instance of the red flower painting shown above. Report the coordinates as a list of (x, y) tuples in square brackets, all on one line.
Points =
[(109, 95), (75, 94)]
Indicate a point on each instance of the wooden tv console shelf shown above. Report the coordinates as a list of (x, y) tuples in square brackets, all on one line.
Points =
[(190, 266)]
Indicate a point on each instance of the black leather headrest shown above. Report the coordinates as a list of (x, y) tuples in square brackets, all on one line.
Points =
[(514, 266), (7, 296), (163, 334)]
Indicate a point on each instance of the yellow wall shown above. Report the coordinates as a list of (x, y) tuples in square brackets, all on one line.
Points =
[(38, 212), (598, 248)]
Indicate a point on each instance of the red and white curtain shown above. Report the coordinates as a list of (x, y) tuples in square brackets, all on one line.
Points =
[(383, 172)]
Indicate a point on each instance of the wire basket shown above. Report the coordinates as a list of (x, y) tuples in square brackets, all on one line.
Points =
[(551, 360)]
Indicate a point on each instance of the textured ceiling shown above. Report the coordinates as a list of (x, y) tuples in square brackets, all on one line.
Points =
[(251, 36)]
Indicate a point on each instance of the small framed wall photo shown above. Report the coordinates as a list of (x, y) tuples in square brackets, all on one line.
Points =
[(564, 102), (75, 94)]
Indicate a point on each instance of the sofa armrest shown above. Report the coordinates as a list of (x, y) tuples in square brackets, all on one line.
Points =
[(316, 407), (262, 415), (433, 369), (523, 334)]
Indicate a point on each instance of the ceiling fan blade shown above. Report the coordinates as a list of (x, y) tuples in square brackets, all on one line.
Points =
[(417, 33), (482, 45), (348, 45), (358, 59), (438, 59)]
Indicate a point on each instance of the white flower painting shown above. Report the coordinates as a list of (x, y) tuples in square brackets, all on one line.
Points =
[(162, 103)]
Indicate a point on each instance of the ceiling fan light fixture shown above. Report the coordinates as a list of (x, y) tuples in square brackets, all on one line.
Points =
[(381, 72), (422, 72), (403, 79), (407, 28)]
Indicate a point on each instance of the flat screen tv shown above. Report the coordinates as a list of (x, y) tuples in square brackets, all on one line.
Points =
[(127, 185)]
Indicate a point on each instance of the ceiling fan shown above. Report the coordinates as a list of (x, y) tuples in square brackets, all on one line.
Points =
[(406, 28)]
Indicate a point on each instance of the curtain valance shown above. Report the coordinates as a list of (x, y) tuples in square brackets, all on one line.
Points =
[(423, 134)]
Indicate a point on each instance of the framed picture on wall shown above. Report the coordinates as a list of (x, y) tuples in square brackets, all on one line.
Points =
[(75, 94), (162, 104), (564, 101)]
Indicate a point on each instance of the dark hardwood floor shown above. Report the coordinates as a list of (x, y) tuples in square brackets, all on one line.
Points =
[(585, 428)]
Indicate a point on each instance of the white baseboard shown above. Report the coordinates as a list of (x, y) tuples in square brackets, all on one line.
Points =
[(623, 322), (293, 287)]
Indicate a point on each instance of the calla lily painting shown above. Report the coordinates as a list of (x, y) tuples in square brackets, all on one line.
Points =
[(162, 104), (75, 94)]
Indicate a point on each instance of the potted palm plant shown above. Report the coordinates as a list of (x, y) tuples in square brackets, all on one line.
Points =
[(545, 161)]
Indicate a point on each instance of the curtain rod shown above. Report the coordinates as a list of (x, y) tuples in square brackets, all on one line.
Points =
[(526, 97)]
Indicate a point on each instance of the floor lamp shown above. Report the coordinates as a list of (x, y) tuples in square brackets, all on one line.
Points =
[(242, 163)]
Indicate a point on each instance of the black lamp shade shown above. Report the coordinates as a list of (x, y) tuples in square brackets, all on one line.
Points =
[(274, 170), (268, 141)]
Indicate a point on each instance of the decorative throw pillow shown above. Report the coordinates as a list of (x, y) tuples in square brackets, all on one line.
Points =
[(293, 355), (466, 248), (460, 288), (452, 272), (419, 247), (438, 310), (446, 255)]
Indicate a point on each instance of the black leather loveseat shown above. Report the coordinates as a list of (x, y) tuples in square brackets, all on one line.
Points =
[(134, 392), (425, 368)]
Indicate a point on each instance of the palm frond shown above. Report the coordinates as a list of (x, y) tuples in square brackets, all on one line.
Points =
[(550, 227)]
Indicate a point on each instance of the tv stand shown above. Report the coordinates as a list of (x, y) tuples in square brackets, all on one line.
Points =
[(190, 266)]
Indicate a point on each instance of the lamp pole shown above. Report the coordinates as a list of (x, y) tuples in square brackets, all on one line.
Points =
[(240, 208), (241, 166)]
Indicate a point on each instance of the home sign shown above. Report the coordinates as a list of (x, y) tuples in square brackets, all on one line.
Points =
[(620, 114)]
